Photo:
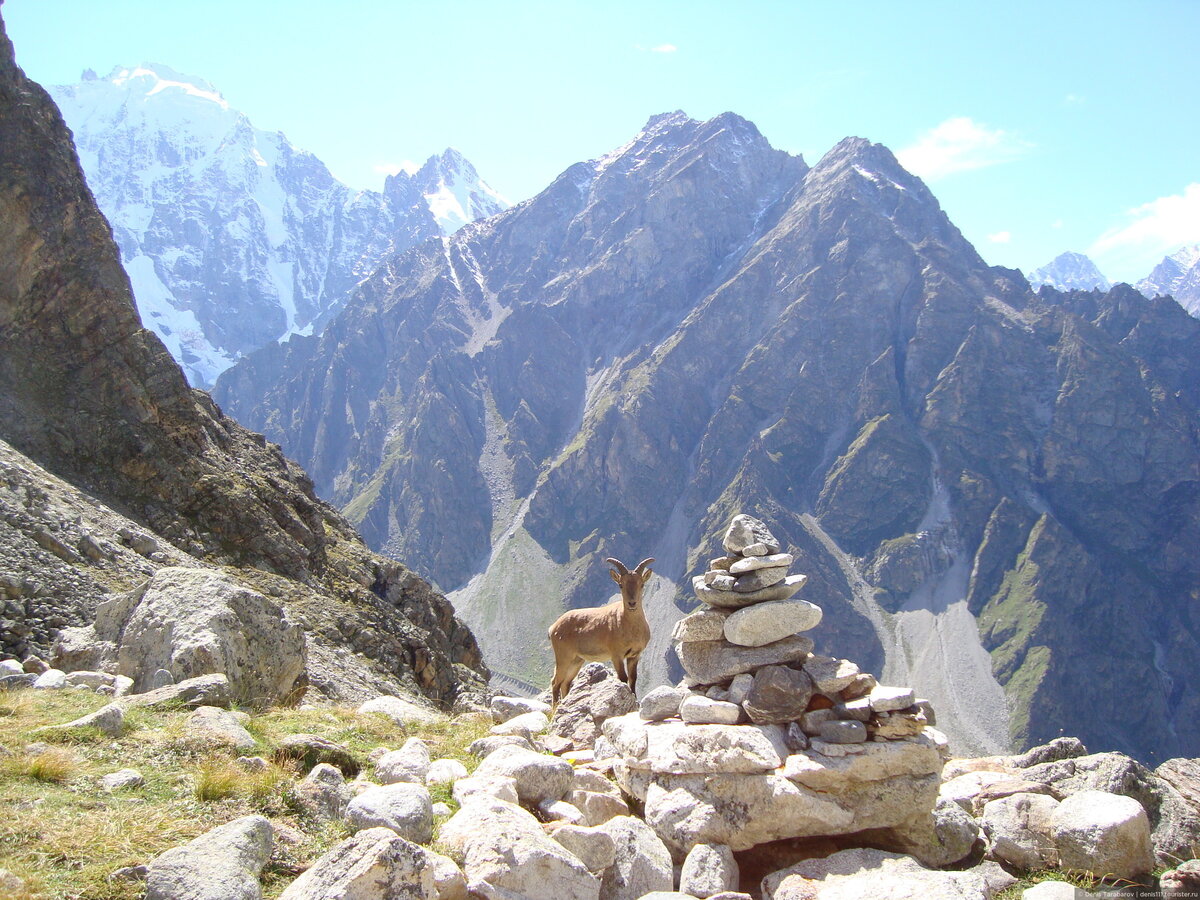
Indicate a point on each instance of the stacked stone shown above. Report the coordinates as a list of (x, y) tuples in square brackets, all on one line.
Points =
[(747, 659)]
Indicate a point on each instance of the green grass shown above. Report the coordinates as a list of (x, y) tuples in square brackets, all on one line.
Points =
[(64, 834)]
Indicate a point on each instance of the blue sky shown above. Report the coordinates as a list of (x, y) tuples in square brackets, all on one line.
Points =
[(1041, 126)]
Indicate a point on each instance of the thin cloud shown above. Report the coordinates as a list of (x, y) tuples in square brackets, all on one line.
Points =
[(1072, 99), (664, 48), (1001, 237), (1152, 231), (961, 145)]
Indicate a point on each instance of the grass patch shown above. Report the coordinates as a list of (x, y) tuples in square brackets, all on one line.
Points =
[(63, 834)]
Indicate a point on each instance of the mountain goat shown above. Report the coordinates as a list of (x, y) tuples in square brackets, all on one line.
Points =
[(617, 631)]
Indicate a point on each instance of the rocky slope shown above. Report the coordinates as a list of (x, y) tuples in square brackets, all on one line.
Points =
[(983, 486), (1178, 276), (1070, 271), (233, 237), (89, 395)]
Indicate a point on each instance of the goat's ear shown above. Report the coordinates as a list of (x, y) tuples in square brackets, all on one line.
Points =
[(614, 575), (646, 575)]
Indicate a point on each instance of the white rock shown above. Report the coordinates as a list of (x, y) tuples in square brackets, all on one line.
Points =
[(375, 864), (11, 667), (213, 725), (884, 698), (445, 771), (708, 869), (677, 748), (767, 561), (662, 703), (324, 792), (122, 779), (963, 789), (204, 621), (221, 864), (504, 846), (1095, 831), (744, 532), (500, 787), (591, 846), (765, 623), (91, 680), (1019, 830), (561, 811), (705, 624), (525, 723), (109, 720), (698, 710), (51, 680), (504, 708), (401, 711), (863, 873), (641, 863), (739, 688), (588, 779), (539, 776), (829, 675), (410, 763), (404, 808), (596, 808)]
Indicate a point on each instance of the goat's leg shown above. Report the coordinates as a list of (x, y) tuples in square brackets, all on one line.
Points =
[(631, 664), (563, 685), (619, 667)]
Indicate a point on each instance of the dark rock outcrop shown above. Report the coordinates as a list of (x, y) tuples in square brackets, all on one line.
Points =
[(90, 395)]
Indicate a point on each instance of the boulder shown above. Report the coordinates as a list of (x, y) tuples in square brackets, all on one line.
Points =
[(699, 710), (203, 621), (375, 864), (108, 720), (51, 680), (595, 695), (221, 864), (526, 724), (91, 680), (745, 531), (591, 846), (779, 694), (203, 690), (213, 726), (597, 808), (710, 662), (1103, 833), (708, 869), (445, 771), (503, 846), (1184, 776), (481, 747), (676, 748), (404, 808), (953, 838), (705, 624), (505, 708), (862, 872), (501, 787), (1020, 832), (323, 792), (402, 711), (538, 776), (765, 623), (1180, 882), (662, 703), (641, 863), (409, 764)]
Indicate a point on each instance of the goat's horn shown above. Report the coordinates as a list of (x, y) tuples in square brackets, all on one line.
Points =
[(645, 562), (618, 565)]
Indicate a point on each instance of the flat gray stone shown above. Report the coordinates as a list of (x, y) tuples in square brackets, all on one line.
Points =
[(842, 731), (770, 561), (745, 531), (698, 710), (774, 620), (404, 808), (736, 599), (705, 624), (759, 579), (662, 703), (710, 662), (885, 699)]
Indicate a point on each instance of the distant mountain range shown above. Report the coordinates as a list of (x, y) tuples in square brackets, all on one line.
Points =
[(233, 237), (995, 494), (1178, 276)]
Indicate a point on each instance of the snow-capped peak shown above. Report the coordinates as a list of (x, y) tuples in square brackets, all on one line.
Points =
[(154, 78), (454, 191), (1070, 271)]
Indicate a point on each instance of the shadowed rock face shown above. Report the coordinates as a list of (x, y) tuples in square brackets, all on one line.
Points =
[(991, 491), (89, 394)]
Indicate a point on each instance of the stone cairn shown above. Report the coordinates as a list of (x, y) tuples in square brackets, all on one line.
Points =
[(766, 741)]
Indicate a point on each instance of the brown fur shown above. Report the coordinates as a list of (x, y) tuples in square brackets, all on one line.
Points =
[(617, 631)]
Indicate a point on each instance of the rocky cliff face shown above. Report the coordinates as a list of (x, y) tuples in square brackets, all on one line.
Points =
[(88, 394), (233, 237), (993, 494)]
